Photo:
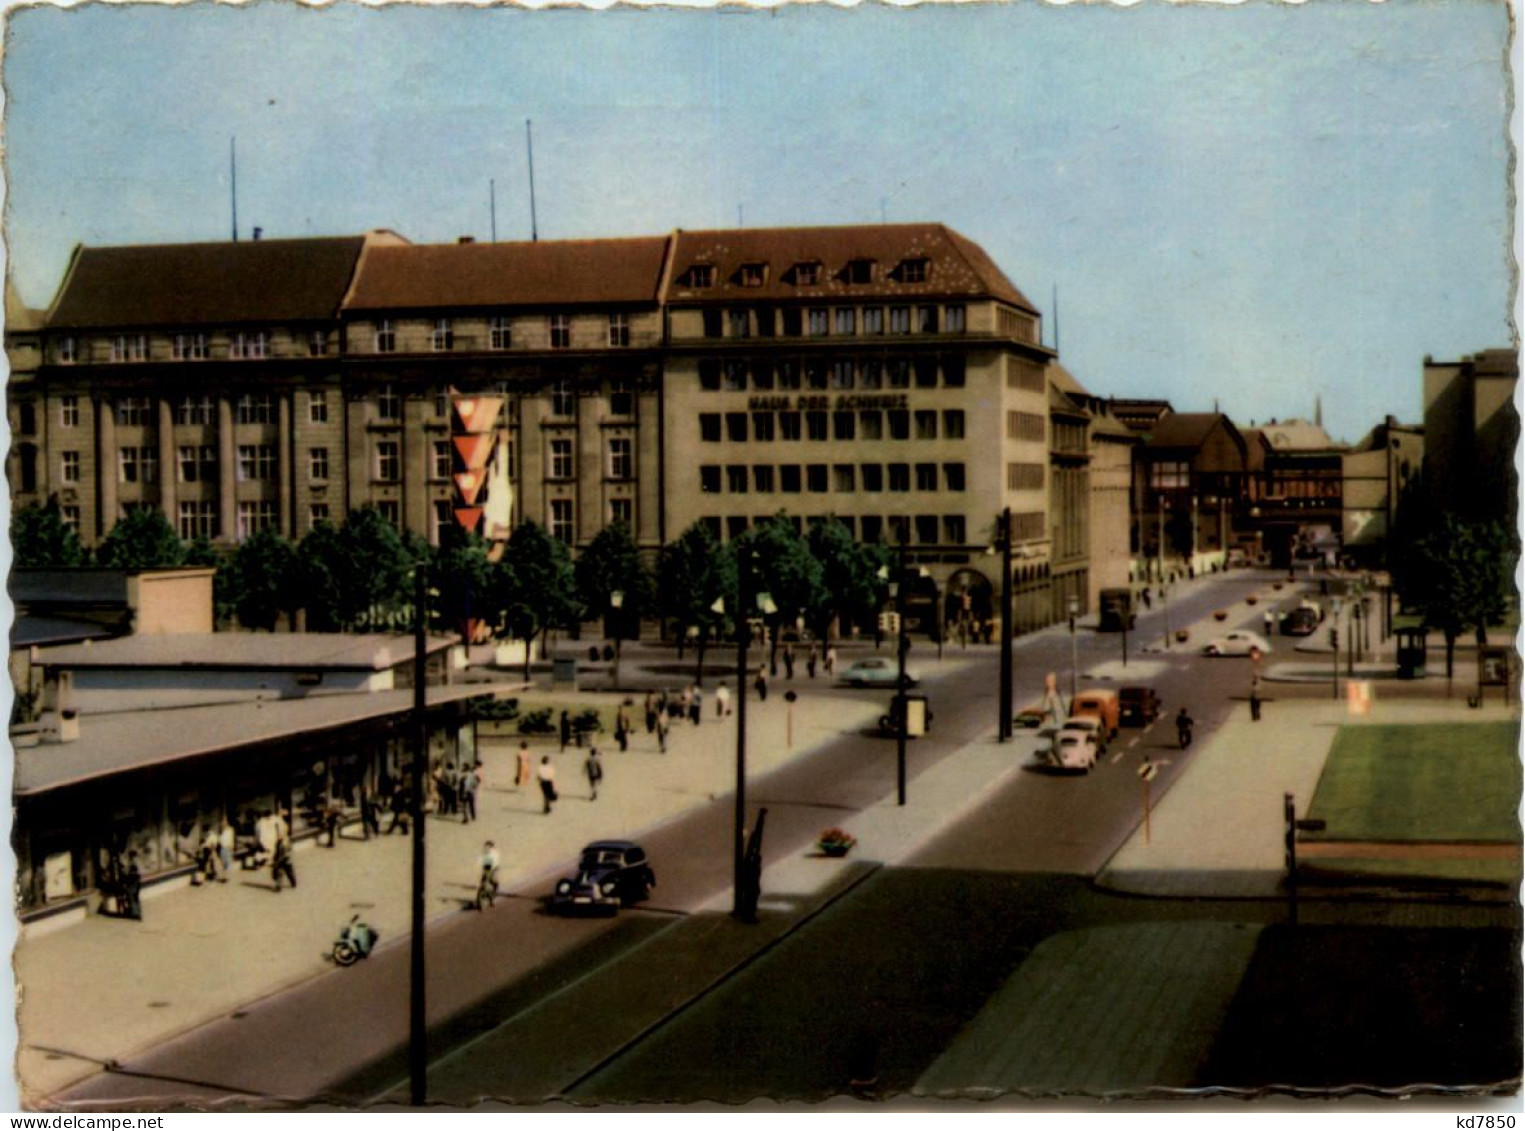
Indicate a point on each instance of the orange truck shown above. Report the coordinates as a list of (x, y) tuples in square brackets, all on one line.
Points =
[(1098, 703)]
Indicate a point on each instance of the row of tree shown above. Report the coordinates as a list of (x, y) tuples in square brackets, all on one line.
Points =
[(356, 576)]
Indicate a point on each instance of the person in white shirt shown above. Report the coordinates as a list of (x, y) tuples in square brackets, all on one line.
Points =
[(722, 701), (547, 775)]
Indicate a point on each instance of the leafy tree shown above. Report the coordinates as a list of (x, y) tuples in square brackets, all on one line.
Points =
[(201, 553), (462, 575), (612, 563), (142, 540), (851, 588), (41, 540), (1458, 576), (534, 585), (320, 574), (264, 580), (774, 558), (355, 576), (693, 573)]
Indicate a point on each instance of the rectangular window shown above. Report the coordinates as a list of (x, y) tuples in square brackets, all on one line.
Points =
[(444, 465), (871, 424), (388, 461), (129, 347), (873, 528), (735, 526), (845, 320), (815, 425), (736, 479), (926, 529), (818, 322), (926, 319), (752, 274), (843, 425), (900, 319), (736, 427), (841, 375), (873, 320), (137, 465), (317, 464), (561, 334), (871, 374), (954, 529), (198, 465), (788, 375), (316, 513), (317, 343), (68, 412), (789, 478), (762, 374), (255, 410), (442, 339), (442, 405), (134, 412), (195, 411), (815, 374), (762, 426), (388, 404), (762, 478), (257, 462), (953, 323), (926, 477), (500, 332), (714, 323), (1024, 426), (738, 323), (899, 373), (765, 321), (873, 477), (807, 274), (619, 329), (622, 513), (317, 408), (709, 374), (788, 426), (189, 347), (563, 399), (913, 270), (1024, 476), (709, 478), (926, 372), (900, 424), (621, 398), (953, 424), (67, 350), (197, 520), (846, 476), (561, 459), (69, 467), (256, 516), (709, 427), (900, 477), (953, 476), (735, 377), (953, 372), (926, 424), (621, 458), (816, 478), (1024, 374), (391, 512), (248, 345)]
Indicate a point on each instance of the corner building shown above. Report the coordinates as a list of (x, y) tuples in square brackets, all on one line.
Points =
[(888, 375)]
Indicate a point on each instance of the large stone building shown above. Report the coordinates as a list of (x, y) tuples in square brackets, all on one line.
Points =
[(889, 375), (1470, 431), (1377, 471)]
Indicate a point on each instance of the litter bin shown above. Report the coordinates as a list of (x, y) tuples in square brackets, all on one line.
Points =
[(564, 670)]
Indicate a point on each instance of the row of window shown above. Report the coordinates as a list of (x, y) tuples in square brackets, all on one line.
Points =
[(818, 424), (766, 478), (833, 321), (922, 372), (928, 529), (241, 345), (500, 333), (809, 273)]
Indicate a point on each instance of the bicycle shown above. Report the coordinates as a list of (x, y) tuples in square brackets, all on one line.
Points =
[(487, 889)]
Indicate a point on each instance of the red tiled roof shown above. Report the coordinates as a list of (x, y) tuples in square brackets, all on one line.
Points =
[(957, 267), (1184, 429), (552, 272), (199, 284)]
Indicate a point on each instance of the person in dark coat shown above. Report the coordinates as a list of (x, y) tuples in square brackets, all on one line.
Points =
[(594, 769), (566, 729), (132, 888), (280, 863), (788, 661), (1184, 723)]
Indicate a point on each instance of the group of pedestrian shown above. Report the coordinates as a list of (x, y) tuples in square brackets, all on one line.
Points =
[(456, 790), (214, 855)]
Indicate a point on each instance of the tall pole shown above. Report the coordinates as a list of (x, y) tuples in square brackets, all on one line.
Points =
[(902, 645), (738, 846), (492, 206), (1074, 655), (233, 180), (529, 144), (1003, 731), (418, 1059)]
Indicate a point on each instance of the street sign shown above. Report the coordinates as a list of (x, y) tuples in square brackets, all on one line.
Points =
[(1255, 655), (1148, 771)]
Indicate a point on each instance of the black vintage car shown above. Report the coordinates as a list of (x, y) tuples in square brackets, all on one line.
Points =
[(1301, 621), (611, 874)]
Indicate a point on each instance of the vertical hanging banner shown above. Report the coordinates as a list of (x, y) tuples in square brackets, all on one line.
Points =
[(481, 475)]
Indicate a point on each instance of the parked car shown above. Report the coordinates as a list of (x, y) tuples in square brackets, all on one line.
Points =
[(1088, 725), (874, 672), (1030, 717), (610, 874), (1137, 706), (1237, 558), (1072, 750), (1236, 644), (1100, 703), (1299, 622)]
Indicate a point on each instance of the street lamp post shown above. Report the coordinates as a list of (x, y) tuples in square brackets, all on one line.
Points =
[(1003, 532), (1334, 645), (616, 603), (418, 1057), (1074, 647), (1165, 608), (901, 647)]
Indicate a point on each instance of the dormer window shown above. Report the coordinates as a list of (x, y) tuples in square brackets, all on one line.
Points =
[(752, 274), (858, 271), (700, 277), (913, 271), (806, 274)]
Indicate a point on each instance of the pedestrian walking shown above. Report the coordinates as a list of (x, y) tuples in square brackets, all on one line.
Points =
[(264, 837), (206, 857), (761, 683), (810, 660), (547, 775), (620, 733), (467, 792), (1146, 598), (566, 729), (662, 733), (449, 791), (280, 864), (522, 772), (333, 817), (594, 769), (831, 660), (370, 823), (686, 701), (1270, 619), (226, 840), (1184, 723), (788, 661), (722, 700), (696, 705), (1254, 699), (651, 712), (399, 805), (132, 888)]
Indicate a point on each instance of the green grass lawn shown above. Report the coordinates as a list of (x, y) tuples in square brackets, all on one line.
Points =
[(1429, 782)]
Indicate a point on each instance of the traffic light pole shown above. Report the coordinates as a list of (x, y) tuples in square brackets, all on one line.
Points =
[(1003, 531), (901, 647)]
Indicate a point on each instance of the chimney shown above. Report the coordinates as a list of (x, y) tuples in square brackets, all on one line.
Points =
[(466, 239)]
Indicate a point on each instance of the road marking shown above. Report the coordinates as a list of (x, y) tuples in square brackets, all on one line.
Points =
[(1132, 742), (1116, 757)]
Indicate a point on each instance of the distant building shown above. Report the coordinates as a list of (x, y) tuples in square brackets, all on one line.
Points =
[(1189, 477), (1292, 504), (1377, 470), (1470, 432)]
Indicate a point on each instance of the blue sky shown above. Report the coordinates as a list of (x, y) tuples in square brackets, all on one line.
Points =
[(1259, 204)]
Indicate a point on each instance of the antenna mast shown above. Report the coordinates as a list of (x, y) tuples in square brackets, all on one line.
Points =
[(233, 171), (1056, 317), (529, 141), (492, 205)]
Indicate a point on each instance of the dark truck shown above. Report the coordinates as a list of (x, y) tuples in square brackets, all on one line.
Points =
[(1137, 706), (1117, 611)]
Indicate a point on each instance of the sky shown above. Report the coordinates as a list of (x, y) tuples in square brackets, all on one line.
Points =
[(1253, 206)]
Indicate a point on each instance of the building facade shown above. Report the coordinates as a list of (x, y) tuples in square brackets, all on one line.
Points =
[(1471, 429)]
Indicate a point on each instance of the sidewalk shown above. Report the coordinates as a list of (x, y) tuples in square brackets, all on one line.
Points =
[(98, 990), (1219, 831)]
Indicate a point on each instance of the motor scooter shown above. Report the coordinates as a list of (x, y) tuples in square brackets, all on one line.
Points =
[(356, 941)]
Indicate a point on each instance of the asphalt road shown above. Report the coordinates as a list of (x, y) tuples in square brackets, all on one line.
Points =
[(342, 1036)]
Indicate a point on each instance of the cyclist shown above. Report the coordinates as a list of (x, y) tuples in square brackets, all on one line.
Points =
[(487, 886)]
